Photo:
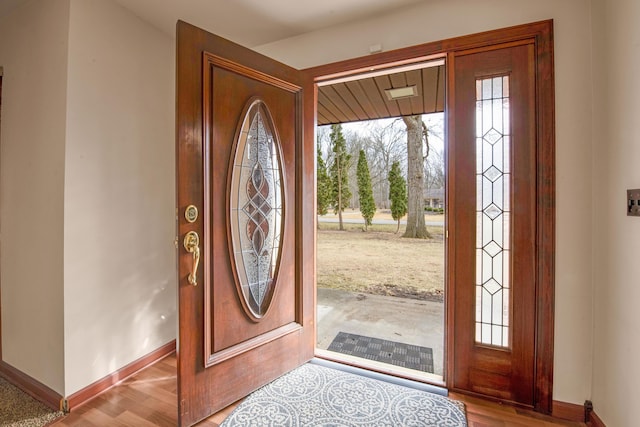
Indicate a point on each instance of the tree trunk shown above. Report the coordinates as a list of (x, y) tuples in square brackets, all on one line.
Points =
[(398, 227), (416, 227), (340, 206)]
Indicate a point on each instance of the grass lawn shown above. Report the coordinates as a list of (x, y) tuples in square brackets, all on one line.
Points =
[(380, 261)]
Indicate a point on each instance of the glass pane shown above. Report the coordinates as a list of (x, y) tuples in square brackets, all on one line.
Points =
[(497, 118), (497, 234), (486, 89), (256, 209), (497, 88), (479, 143), (498, 194), (505, 307), (487, 197), (492, 211), (498, 270), (479, 114), (496, 338), (487, 116), (487, 155), (478, 304)]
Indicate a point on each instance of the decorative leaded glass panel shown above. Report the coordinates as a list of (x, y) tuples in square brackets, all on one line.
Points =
[(256, 208), (493, 211)]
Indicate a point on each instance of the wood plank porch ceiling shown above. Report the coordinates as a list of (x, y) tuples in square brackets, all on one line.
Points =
[(365, 99)]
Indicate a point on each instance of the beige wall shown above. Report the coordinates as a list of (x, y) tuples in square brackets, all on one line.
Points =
[(439, 19), (106, 202), (616, 58), (119, 256), (86, 190), (33, 54)]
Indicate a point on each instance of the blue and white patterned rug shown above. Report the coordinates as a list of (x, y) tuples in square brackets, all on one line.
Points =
[(313, 395)]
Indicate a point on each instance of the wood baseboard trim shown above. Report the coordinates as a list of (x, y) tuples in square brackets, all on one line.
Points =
[(568, 411), (31, 386), (102, 385), (595, 421)]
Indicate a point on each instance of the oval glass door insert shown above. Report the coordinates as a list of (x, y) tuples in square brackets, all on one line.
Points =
[(256, 208)]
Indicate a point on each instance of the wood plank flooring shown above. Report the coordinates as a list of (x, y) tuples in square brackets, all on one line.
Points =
[(148, 399)]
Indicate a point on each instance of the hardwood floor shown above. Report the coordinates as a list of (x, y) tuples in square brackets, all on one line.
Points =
[(482, 413), (148, 399)]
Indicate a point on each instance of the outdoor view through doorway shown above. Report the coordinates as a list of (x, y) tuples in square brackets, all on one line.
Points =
[(380, 285)]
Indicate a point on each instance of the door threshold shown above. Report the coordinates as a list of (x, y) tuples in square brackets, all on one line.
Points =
[(382, 371)]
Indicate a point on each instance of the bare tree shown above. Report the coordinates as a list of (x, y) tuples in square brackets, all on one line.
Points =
[(324, 144), (386, 146), (383, 144), (416, 137), (434, 170), (355, 142)]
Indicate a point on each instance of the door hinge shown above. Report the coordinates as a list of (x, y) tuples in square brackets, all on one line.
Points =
[(446, 234), (183, 407)]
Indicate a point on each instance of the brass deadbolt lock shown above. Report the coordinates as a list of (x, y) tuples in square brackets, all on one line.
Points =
[(191, 213)]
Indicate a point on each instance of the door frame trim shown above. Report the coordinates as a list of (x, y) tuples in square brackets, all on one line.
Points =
[(1, 77), (541, 34)]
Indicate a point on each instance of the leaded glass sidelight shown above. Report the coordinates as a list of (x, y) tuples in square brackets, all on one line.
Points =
[(256, 208), (493, 211)]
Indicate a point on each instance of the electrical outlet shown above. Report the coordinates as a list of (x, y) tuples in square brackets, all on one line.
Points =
[(633, 202)]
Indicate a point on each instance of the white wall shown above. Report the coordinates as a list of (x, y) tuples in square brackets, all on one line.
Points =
[(33, 54), (119, 256), (440, 19), (616, 57)]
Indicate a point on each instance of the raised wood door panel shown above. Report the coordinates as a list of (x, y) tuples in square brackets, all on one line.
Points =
[(225, 350), (230, 91), (504, 367)]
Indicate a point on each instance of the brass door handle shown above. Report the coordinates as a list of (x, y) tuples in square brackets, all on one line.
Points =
[(192, 245)]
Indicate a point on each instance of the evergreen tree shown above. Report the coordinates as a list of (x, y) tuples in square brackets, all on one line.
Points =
[(397, 193), (365, 192), (323, 183), (339, 172)]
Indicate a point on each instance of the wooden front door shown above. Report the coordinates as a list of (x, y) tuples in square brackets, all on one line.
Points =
[(245, 204), (493, 226)]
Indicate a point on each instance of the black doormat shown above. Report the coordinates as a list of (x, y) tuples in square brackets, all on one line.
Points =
[(394, 353)]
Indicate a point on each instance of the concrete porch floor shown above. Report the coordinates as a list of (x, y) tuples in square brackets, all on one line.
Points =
[(403, 320)]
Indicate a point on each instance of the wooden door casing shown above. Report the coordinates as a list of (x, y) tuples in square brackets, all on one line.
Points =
[(1, 72), (223, 354), (541, 35)]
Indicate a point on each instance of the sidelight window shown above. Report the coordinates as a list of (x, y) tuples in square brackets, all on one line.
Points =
[(493, 211)]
